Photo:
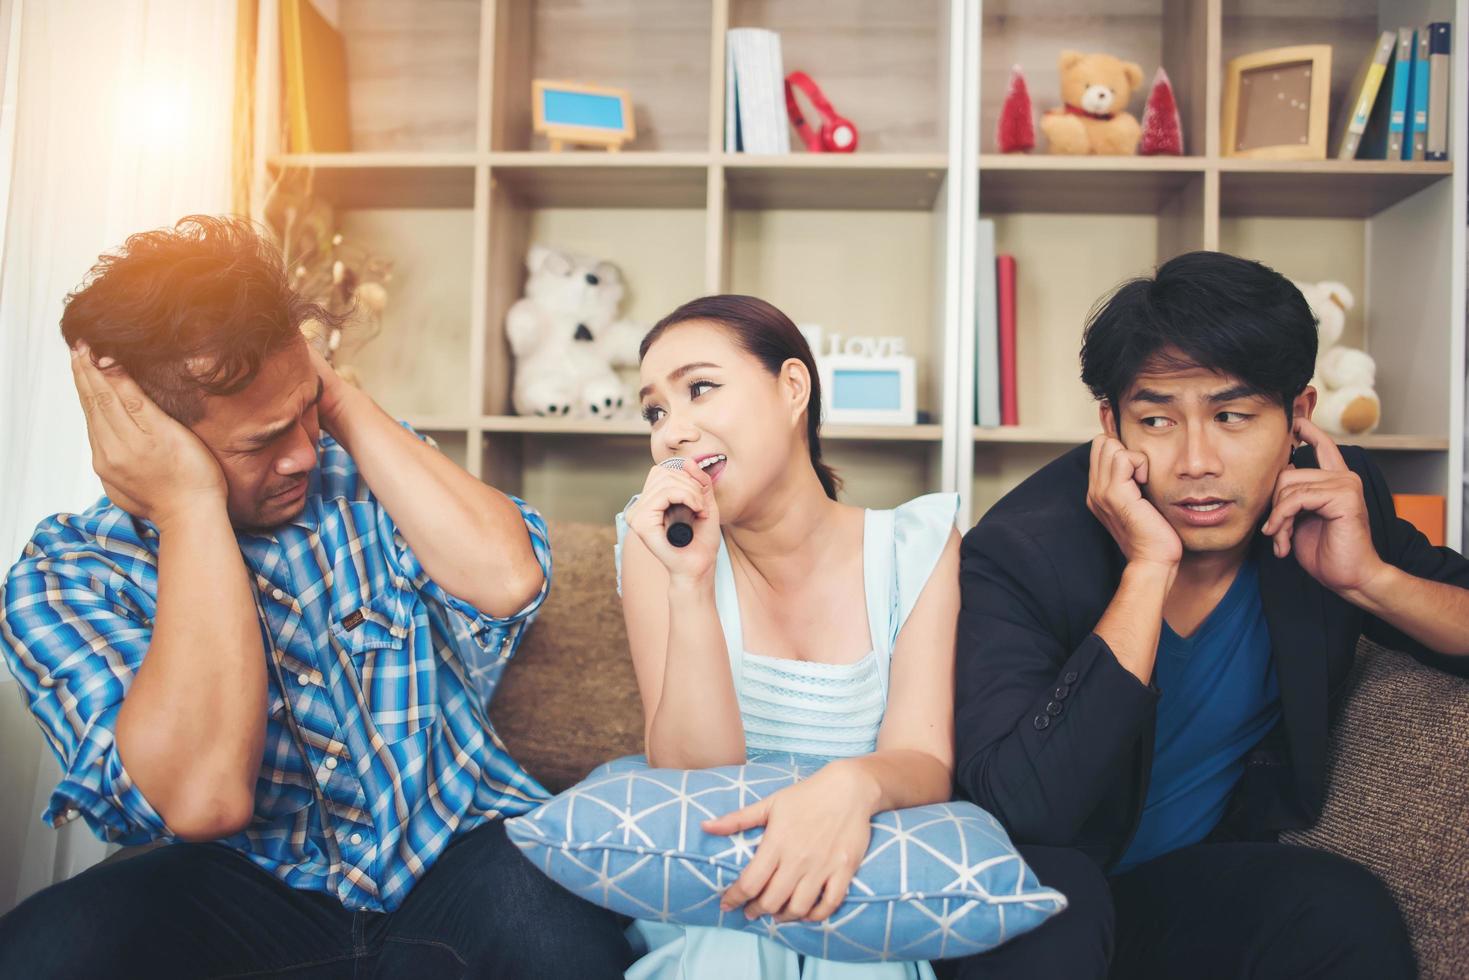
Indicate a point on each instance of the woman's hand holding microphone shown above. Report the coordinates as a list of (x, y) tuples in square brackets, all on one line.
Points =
[(666, 493)]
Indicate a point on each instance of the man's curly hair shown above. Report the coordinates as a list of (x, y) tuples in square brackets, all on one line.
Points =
[(189, 311)]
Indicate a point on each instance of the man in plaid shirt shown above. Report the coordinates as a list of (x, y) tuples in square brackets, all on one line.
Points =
[(271, 646)]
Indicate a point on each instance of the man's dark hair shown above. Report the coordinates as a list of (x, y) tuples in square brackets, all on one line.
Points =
[(189, 311), (1208, 310)]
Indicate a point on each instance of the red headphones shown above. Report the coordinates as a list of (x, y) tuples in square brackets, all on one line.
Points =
[(837, 135)]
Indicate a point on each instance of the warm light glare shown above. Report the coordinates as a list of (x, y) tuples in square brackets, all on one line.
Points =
[(154, 115)]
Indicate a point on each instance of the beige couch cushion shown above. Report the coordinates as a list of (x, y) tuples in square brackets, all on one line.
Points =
[(1398, 798), (1398, 792), (568, 702)]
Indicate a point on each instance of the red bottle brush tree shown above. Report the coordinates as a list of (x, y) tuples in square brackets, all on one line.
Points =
[(1162, 128), (1016, 130)]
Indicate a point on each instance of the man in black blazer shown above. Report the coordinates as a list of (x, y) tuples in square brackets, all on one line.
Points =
[(1154, 628)]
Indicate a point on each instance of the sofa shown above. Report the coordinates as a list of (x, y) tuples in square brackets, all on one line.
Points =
[(1398, 791)]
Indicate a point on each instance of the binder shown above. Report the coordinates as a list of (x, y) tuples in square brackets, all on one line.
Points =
[(1363, 95), (1439, 67), (1418, 148)]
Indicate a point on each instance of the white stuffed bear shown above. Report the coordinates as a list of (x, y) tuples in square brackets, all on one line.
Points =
[(567, 338), (1346, 402)]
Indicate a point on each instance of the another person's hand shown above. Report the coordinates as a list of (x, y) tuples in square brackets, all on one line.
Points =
[(816, 834), (1115, 497), (691, 487), (1322, 515), (151, 465)]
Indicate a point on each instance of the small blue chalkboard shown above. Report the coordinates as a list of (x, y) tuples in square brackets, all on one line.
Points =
[(581, 109), (569, 112)]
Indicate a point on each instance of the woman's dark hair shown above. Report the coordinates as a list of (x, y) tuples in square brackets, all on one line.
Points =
[(190, 310), (1208, 310), (770, 337)]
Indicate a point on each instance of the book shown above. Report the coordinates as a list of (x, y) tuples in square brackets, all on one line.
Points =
[(1417, 149), (1437, 147), (987, 346), (314, 75), (1009, 400), (1362, 95), (1377, 140), (1402, 76), (755, 108)]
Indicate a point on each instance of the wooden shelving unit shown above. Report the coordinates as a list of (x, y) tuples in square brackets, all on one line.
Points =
[(447, 180)]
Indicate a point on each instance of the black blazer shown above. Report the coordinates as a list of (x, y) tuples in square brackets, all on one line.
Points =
[(1055, 737)]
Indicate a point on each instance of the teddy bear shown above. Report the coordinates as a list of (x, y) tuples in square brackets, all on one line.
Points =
[(568, 338), (1095, 90), (1346, 402)]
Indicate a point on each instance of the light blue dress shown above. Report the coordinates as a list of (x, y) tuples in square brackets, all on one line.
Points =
[(829, 710)]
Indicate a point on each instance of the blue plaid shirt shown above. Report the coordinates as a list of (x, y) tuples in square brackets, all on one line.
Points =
[(378, 749)]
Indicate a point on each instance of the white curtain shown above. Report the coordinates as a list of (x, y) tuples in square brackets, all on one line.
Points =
[(122, 112)]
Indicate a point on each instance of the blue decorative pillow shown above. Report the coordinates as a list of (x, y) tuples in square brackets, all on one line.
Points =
[(938, 881)]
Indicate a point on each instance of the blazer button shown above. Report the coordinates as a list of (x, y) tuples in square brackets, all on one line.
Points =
[(1042, 722), (1053, 709), (1071, 677), (1061, 692)]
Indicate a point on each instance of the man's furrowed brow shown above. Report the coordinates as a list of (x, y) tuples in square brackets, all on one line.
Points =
[(266, 436), (1235, 393), (1151, 396)]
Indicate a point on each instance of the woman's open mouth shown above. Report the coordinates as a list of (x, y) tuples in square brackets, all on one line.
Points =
[(713, 464)]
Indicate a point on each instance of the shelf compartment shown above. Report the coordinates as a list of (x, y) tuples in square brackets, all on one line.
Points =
[(1083, 185), (655, 49), (383, 180), (412, 73), (857, 181), (883, 65), (591, 179), (1321, 188)]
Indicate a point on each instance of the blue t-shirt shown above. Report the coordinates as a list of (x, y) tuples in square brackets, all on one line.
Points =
[(1218, 699)]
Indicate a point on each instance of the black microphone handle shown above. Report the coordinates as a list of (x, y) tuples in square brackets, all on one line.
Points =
[(678, 525)]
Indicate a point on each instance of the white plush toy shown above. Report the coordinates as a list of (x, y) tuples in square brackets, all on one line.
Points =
[(1346, 403), (568, 339)]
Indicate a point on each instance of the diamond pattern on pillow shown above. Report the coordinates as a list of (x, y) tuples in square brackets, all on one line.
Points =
[(937, 881)]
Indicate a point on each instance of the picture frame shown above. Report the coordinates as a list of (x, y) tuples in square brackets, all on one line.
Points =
[(859, 389), (576, 113), (1277, 104)]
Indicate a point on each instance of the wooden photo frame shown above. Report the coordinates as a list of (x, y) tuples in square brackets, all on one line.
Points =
[(1277, 104), (573, 113)]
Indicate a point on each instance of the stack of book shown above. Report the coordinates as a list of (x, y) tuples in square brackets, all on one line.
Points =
[(1398, 105), (996, 402), (755, 119)]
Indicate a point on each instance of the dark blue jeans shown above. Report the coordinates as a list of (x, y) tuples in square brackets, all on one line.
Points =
[(1216, 911), (203, 910)]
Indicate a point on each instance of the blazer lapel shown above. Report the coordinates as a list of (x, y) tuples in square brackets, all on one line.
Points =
[(1295, 613)]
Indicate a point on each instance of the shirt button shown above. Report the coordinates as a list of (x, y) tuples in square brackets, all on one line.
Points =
[(47, 680), (303, 679), (1042, 722), (356, 838), (1071, 677), (1053, 709), (331, 762), (277, 594)]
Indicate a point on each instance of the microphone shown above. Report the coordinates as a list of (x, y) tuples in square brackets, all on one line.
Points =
[(678, 520)]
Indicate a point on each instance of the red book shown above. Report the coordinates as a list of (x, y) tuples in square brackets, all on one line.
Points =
[(1005, 286)]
